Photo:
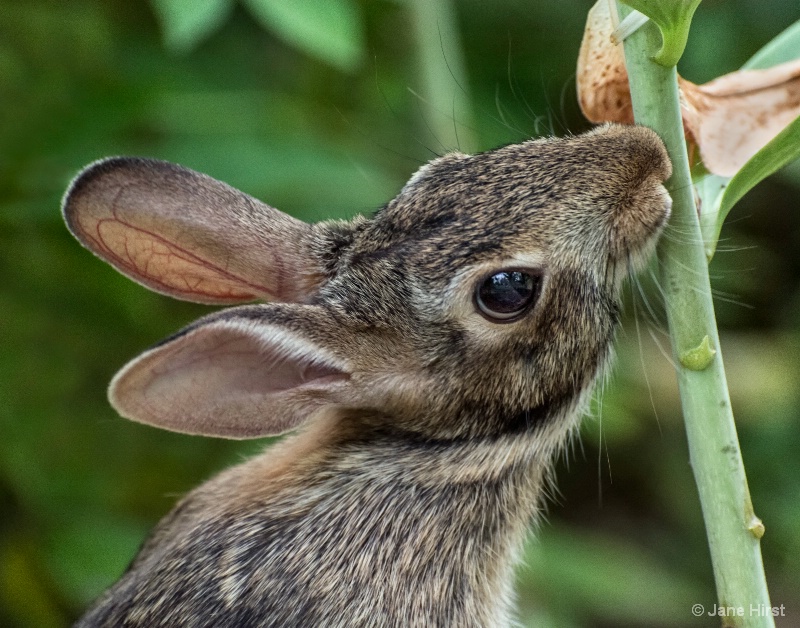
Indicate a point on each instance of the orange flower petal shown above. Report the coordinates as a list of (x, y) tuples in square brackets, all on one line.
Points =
[(602, 80)]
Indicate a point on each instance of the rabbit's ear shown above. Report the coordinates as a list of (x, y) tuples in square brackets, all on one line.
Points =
[(187, 235), (230, 376)]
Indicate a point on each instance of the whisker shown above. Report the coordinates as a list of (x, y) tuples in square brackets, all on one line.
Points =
[(664, 352), (644, 372)]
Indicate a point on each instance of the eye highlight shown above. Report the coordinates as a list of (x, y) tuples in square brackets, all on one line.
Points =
[(504, 296)]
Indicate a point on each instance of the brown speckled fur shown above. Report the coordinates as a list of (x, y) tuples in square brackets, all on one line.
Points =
[(405, 499)]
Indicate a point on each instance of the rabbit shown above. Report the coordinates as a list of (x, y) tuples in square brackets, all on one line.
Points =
[(430, 362)]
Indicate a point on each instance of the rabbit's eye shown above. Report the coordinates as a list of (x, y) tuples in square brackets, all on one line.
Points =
[(506, 295)]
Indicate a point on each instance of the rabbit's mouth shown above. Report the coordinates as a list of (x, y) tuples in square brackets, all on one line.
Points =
[(637, 234)]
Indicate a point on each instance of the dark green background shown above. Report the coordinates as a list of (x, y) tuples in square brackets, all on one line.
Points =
[(623, 544)]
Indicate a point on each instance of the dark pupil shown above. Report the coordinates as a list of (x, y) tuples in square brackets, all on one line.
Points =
[(506, 293)]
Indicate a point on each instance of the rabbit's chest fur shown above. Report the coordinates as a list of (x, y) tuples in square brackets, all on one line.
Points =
[(344, 538)]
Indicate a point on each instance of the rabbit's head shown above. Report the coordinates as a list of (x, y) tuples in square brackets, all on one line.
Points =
[(481, 301)]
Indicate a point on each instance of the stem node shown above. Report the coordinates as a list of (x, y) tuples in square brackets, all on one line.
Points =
[(700, 357), (756, 527)]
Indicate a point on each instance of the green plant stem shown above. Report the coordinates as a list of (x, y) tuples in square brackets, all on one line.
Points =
[(733, 529), (443, 74)]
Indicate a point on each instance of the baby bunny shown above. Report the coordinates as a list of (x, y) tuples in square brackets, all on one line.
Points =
[(432, 359)]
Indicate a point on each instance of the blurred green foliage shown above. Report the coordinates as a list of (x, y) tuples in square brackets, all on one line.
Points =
[(313, 107)]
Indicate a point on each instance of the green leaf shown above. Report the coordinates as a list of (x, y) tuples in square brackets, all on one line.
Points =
[(782, 150), (785, 47), (673, 17), (331, 30), (187, 22), (717, 194)]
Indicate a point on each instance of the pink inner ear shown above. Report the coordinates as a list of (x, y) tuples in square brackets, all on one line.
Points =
[(230, 362), (227, 380)]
